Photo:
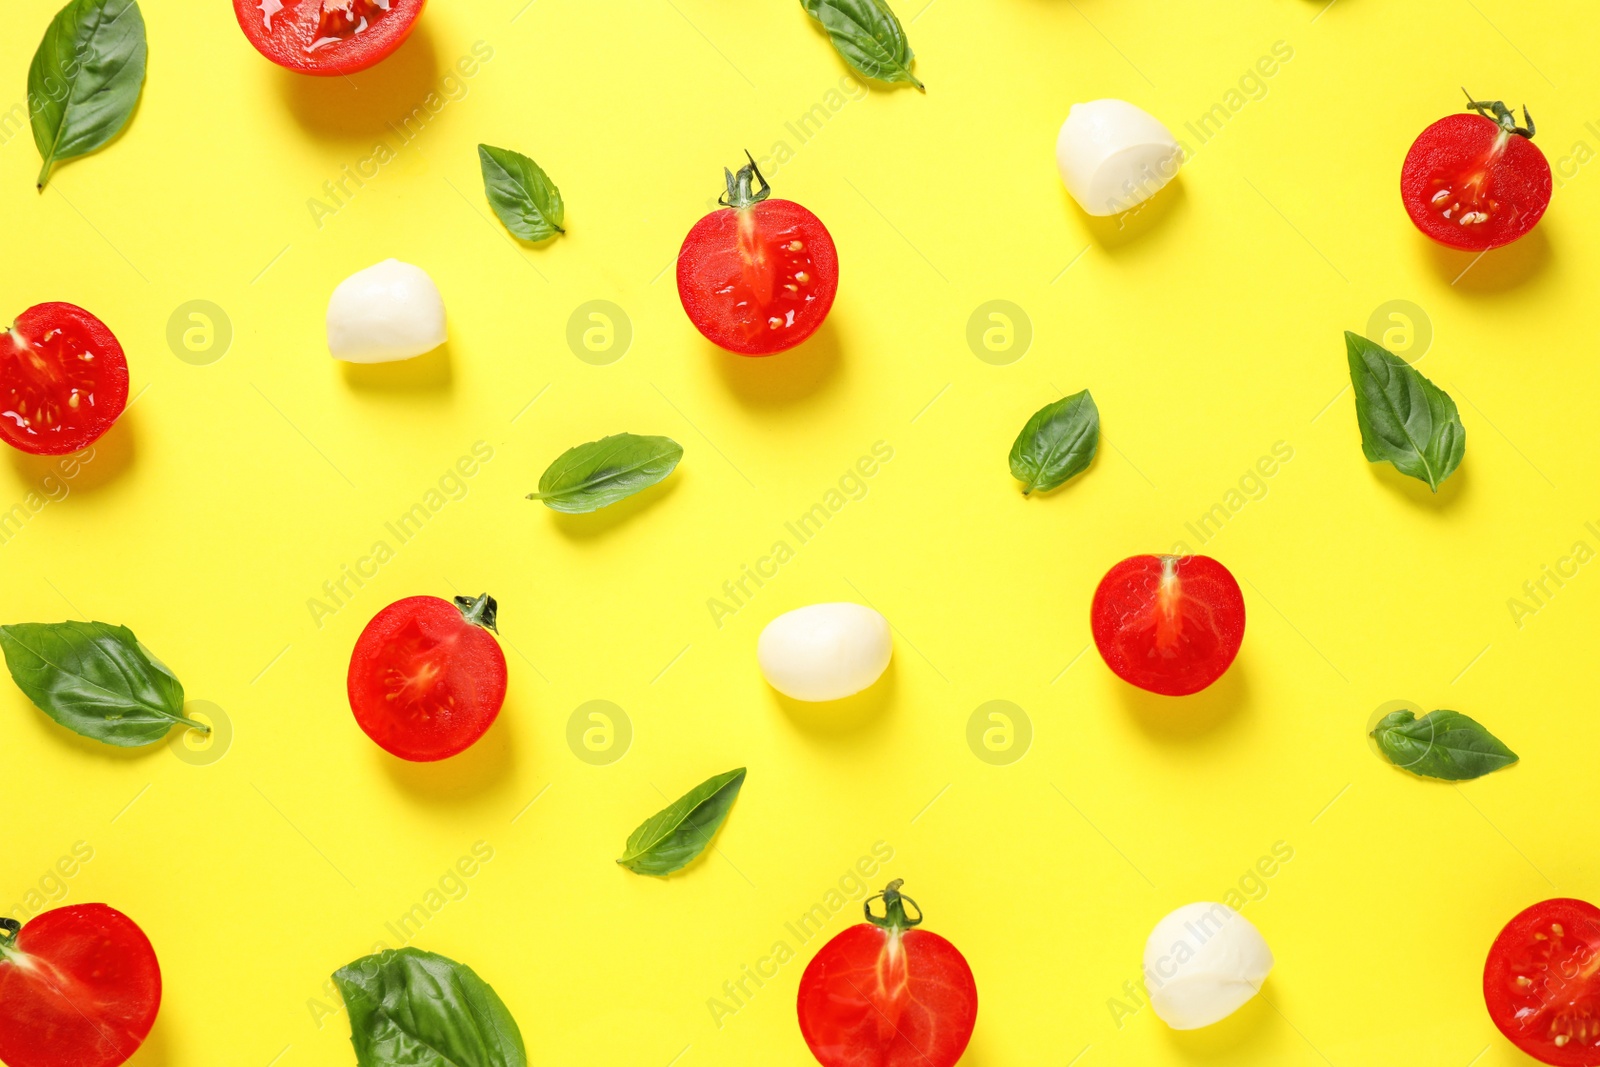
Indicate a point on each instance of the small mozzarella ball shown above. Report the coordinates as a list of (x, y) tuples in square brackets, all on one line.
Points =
[(387, 312), (824, 651), (1202, 963), (1113, 155)]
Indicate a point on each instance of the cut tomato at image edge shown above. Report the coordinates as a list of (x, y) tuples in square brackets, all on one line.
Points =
[(327, 37), (63, 380)]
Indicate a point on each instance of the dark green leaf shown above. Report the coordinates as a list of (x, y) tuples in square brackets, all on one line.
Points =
[(95, 679), (603, 472), (679, 832), (1441, 744), (1405, 419), (85, 78), (521, 193), (1057, 443), (410, 1008), (868, 36)]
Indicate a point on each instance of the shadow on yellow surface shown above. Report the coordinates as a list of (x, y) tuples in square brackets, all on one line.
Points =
[(596, 524), (865, 712), (58, 477), (1225, 1041), (1185, 718), (433, 371), (155, 1052), (360, 106), (464, 777), (1111, 232), (1498, 271), (773, 381), (1451, 490)]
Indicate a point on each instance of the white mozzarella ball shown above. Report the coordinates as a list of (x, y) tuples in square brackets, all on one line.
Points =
[(1114, 156), (824, 651), (387, 312), (1202, 963)]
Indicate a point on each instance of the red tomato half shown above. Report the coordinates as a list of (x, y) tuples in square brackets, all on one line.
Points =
[(1169, 624), (1542, 982), (79, 987), (758, 276), (1476, 182), (427, 678), (883, 994), (63, 380), (327, 36)]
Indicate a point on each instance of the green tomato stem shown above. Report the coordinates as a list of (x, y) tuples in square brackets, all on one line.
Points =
[(894, 917)]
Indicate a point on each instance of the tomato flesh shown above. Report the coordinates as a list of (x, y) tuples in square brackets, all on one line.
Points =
[(63, 380), (759, 279), (1168, 624), (327, 36), (79, 987), (1470, 184), (1541, 982), (425, 682)]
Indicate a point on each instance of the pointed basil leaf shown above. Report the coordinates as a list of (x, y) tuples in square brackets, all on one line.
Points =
[(679, 832), (85, 78), (410, 1008), (591, 476), (95, 679), (1057, 443), (1405, 419), (868, 36), (1441, 744), (521, 193)]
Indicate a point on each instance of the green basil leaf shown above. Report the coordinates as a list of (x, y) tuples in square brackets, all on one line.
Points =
[(1441, 744), (1405, 419), (521, 193), (868, 36), (410, 1008), (95, 679), (1057, 443), (593, 475), (679, 832), (85, 78)]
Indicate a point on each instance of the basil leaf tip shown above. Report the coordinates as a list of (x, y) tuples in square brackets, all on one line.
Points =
[(671, 838), (85, 78), (1405, 419), (1058, 442), (408, 1006), (597, 474), (521, 194), (1442, 744), (868, 37)]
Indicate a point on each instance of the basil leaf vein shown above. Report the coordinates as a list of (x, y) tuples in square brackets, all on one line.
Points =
[(85, 78), (675, 835), (1441, 744), (419, 1009), (1058, 442), (1405, 419), (594, 475), (521, 193), (868, 36)]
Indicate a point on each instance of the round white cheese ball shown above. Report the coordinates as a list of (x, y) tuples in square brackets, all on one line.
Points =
[(1114, 156), (824, 651), (1202, 963), (387, 312)]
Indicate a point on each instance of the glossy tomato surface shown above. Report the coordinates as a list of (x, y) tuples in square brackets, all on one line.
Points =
[(79, 987), (1470, 184), (63, 380), (1542, 982), (426, 679), (759, 279), (327, 36), (1169, 624)]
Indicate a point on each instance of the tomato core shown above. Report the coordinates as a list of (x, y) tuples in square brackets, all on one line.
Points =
[(1541, 982), (63, 380), (1168, 624)]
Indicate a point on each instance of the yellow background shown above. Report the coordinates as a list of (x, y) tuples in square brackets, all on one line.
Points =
[(1209, 329)]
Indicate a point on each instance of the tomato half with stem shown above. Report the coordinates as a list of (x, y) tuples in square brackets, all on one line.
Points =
[(63, 380), (327, 37), (1168, 624), (1541, 982), (1475, 180), (757, 276), (427, 678), (885, 994), (79, 987)]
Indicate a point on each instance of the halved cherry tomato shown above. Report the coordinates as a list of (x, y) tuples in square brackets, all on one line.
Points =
[(63, 380), (327, 36), (1169, 624), (427, 678), (1476, 181), (757, 276), (79, 987), (882, 994), (1542, 982)]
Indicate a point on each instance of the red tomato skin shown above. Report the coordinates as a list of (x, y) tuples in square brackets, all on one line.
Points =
[(1168, 624), (1562, 972), (1517, 182), (716, 260), (105, 963), (293, 29), (430, 636), (109, 393), (859, 1007)]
